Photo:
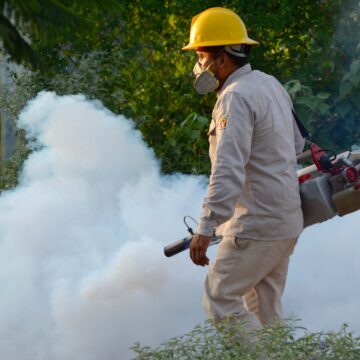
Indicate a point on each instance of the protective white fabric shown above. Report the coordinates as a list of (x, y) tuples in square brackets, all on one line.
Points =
[(247, 280), (253, 190)]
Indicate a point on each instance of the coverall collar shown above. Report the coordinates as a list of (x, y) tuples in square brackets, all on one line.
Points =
[(236, 74)]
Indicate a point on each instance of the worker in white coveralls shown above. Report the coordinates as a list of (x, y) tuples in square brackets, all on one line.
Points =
[(253, 195)]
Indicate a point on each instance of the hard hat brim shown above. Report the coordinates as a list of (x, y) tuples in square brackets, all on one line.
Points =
[(194, 46)]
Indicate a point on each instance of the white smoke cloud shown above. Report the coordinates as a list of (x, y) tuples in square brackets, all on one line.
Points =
[(324, 275), (81, 245), (81, 239)]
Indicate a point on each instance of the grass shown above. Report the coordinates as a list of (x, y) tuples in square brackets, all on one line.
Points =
[(226, 340)]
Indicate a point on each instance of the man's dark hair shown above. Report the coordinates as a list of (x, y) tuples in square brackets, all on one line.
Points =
[(237, 60)]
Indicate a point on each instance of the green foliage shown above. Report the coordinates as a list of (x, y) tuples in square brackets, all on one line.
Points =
[(18, 94), (227, 340), (131, 60), (334, 119), (306, 41), (10, 172), (333, 73), (23, 18), (13, 102), (305, 100), (187, 142)]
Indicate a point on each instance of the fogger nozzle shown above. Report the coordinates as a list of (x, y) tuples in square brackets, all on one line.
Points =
[(183, 244), (177, 246)]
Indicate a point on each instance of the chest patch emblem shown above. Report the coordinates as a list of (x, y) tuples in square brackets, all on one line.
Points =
[(223, 123)]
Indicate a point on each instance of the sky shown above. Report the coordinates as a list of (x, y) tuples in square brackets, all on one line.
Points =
[(82, 267)]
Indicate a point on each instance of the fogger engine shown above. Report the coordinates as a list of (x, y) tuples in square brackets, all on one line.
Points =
[(328, 187)]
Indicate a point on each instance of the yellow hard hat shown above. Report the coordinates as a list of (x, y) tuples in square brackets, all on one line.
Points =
[(217, 26)]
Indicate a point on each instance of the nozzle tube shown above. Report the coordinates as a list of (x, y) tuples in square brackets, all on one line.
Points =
[(183, 244), (177, 246)]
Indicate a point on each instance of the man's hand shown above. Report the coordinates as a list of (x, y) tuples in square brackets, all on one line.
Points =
[(198, 247)]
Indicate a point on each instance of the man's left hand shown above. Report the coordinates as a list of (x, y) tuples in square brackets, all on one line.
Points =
[(198, 247)]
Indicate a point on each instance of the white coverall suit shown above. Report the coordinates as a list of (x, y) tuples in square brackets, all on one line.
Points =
[(253, 198)]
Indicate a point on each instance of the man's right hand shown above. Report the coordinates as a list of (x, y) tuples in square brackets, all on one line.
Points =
[(198, 248)]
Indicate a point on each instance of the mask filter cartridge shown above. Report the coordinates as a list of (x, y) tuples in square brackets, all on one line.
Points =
[(205, 81)]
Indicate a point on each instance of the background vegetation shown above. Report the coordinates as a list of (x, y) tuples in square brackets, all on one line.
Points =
[(227, 341), (130, 59)]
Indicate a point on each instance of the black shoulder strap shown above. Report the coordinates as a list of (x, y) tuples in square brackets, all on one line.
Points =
[(304, 133)]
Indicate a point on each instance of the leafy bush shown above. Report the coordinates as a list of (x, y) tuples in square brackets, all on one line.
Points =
[(13, 101), (334, 119), (226, 340)]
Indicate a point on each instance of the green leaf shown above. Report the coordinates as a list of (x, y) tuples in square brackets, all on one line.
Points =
[(355, 66), (293, 87), (355, 99), (345, 89), (310, 102), (172, 21), (323, 108), (343, 109), (323, 95)]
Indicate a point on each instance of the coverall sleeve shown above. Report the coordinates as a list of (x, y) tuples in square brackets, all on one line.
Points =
[(234, 128)]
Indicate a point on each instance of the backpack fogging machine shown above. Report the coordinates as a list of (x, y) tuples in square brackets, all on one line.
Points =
[(330, 186)]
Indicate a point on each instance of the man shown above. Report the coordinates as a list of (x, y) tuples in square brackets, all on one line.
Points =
[(253, 195)]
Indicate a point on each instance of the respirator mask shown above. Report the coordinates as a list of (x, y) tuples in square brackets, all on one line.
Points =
[(205, 80)]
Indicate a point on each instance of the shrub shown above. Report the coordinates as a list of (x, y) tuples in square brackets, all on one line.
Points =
[(281, 341)]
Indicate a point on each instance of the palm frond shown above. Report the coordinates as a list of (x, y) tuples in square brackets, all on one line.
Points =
[(106, 6), (15, 45), (36, 19)]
